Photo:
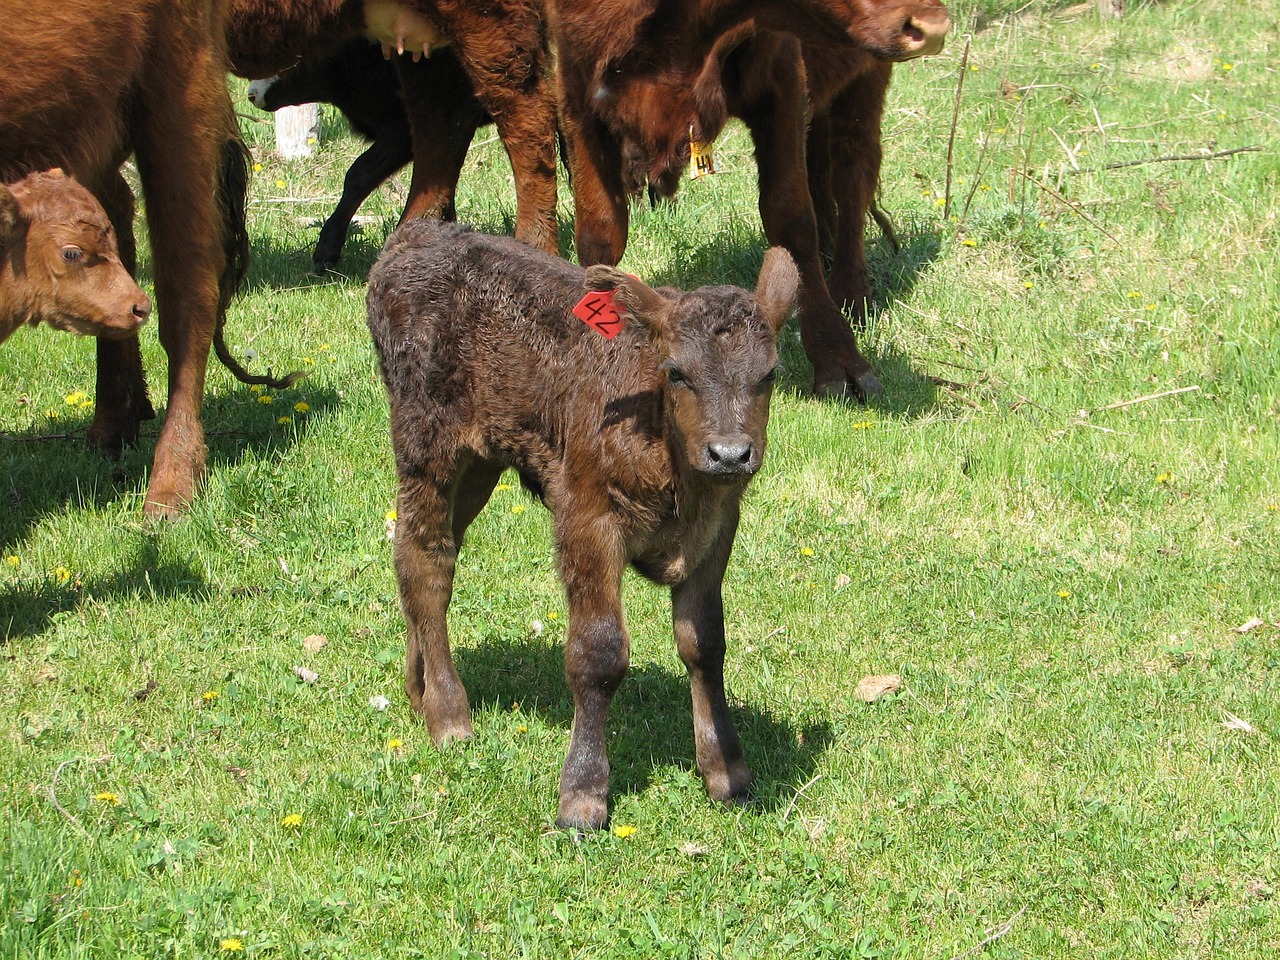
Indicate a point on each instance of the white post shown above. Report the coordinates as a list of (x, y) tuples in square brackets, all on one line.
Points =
[(297, 129)]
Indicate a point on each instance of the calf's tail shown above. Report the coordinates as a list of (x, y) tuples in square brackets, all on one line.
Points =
[(233, 187)]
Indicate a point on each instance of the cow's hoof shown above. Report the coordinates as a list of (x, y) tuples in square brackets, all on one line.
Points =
[(443, 734), (868, 385)]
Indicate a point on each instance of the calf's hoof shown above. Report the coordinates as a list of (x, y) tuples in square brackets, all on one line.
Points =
[(447, 732), (582, 813), (861, 387)]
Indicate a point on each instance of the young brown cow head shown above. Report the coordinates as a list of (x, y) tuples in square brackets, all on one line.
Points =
[(60, 263), (718, 348)]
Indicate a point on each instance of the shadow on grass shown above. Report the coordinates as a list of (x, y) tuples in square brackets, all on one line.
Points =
[(48, 473), (30, 605), (650, 721)]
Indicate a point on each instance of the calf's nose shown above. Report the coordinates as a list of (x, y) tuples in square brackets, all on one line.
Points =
[(142, 310), (926, 34), (729, 455)]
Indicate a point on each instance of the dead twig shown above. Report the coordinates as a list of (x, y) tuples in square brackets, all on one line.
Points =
[(955, 120), (799, 793), (52, 790), (1074, 206), (995, 933), (1148, 398), (1205, 154)]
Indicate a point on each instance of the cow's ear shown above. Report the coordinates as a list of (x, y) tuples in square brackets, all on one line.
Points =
[(777, 287), (10, 217), (636, 300)]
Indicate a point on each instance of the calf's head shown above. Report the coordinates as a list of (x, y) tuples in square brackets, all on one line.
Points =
[(718, 351), (59, 260)]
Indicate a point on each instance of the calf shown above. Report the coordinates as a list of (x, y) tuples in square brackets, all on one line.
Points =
[(59, 262), (366, 87), (641, 445)]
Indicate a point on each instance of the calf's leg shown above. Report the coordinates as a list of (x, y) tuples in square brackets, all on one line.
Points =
[(425, 555), (387, 154), (698, 615), (596, 656)]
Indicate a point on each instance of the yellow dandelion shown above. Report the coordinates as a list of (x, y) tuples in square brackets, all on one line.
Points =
[(519, 508), (1064, 594), (266, 398), (61, 574), (281, 184), (1151, 306), (1270, 506), (939, 201), (623, 830), (257, 168), (75, 398), (323, 347), (862, 425), (1093, 66), (284, 419), (1134, 294), (291, 821), (806, 551), (522, 729), (1164, 477), (210, 695), (302, 406), (13, 560), (984, 187), (1028, 284), (395, 743), (107, 797), (391, 515), (256, 388), (969, 242), (231, 945), (553, 615), (502, 487), (1228, 66), (1001, 129)]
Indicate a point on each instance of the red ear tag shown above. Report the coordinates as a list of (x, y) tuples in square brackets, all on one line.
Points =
[(599, 312)]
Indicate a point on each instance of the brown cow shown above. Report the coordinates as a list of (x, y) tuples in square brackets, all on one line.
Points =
[(501, 47), (642, 446), (83, 83), (627, 73), (59, 262)]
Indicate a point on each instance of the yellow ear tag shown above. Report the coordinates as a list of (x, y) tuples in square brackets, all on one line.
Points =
[(701, 162)]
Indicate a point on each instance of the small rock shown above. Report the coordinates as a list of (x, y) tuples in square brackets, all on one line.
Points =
[(871, 689)]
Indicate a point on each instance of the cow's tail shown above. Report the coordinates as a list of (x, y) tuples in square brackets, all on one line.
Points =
[(233, 188)]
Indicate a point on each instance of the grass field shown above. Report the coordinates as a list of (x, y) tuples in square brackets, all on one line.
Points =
[(1051, 528)]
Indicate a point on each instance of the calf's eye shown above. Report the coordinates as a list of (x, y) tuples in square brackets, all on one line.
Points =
[(676, 377), (72, 254)]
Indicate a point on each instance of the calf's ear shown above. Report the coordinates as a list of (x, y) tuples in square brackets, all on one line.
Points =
[(777, 287), (10, 217), (635, 299)]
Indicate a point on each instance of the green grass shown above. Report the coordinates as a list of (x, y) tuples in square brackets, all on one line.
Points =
[(1056, 580)]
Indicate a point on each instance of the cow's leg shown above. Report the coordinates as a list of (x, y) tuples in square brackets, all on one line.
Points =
[(818, 166), (856, 154), (121, 401), (444, 115), (595, 660), (183, 118), (601, 215), (775, 118), (502, 53), (425, 555), (387, 154), (698, 616)]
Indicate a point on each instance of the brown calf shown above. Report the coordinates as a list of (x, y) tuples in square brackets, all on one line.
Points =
[(641, 445), (59, 263), (628, 74), (500, 46), (82, 84)]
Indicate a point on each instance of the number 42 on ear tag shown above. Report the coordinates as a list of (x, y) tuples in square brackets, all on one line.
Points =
[(599, 312)]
